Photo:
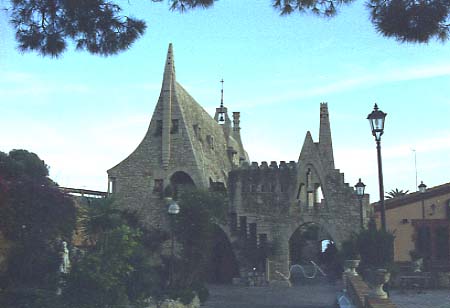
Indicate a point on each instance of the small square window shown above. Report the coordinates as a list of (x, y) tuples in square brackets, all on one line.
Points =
[(175, 126), (158, 185), (210, 140), (112, 185), (197, 131), (159, 128)]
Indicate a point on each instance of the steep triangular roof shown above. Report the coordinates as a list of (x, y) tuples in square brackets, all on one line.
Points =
[(309, 148), (181, 136)]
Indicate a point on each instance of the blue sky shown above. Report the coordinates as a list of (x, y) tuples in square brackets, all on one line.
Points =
[(83, 114)]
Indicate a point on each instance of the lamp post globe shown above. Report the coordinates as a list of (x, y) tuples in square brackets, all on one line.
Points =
[(360, 187), (173, 210), (377, 119)]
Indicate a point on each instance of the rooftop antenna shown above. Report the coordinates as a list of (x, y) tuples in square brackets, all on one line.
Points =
[(415, 165)]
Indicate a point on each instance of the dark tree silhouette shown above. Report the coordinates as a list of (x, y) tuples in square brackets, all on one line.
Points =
[(183, 5), (411, 20), (325, 8), (97, 26), (35, 217), (46, 26)]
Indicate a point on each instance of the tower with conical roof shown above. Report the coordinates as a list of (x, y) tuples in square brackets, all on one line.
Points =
[(183, 146)]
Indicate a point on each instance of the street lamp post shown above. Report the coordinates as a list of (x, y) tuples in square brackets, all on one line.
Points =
[(173, 210), (422, 237), (360, 193), (376, 119), (422, 190)]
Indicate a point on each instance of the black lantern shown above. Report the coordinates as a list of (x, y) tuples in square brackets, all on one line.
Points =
[(422, 187), (360, 189), (360, 193), (422, 190), (376, 119)]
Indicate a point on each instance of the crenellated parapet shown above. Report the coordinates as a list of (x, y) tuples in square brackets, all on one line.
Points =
[(263, 188), (264, 165)]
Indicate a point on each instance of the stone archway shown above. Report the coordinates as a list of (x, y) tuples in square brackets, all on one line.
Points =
[(305, 243), (180, 181), (307, 260), (222, 264)]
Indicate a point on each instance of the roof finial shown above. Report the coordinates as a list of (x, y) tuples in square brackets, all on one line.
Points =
[(221, 94), (221, 119)]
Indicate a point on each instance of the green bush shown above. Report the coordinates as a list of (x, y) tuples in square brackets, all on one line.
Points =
[(29, 298), (376, 248), (202, 292), (350, 249), (184, 295)]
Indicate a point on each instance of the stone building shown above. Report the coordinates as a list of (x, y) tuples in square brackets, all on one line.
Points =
[(183, 146), (269, 202)]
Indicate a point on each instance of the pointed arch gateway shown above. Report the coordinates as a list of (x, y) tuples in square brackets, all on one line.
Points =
[(180, 181), (222, 265), (312, 253), (305, 243)]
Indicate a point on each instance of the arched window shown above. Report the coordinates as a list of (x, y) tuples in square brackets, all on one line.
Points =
[(318, 195), (180, 181)]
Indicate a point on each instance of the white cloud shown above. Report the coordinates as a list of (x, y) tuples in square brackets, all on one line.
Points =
[(15, 86), (398, 163), (368, 79), (441, 142), (15, 77)]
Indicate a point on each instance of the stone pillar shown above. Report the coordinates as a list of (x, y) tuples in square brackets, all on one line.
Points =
[(278, 263), (236, 121), (325, 143)]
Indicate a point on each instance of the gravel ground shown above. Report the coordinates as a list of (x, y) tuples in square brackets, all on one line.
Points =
[(425, 299), (321, 295), (311, 294)]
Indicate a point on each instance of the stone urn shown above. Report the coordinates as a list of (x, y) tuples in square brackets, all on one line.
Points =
[(381, 276), (350, 267), (417, 265)]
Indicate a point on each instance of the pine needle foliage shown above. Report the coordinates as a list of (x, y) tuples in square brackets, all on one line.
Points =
[(48, 27), (415, 21), (323, 8), (184, 5)]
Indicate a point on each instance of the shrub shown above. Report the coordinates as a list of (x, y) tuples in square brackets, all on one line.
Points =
[(376, 248), (350, 249)]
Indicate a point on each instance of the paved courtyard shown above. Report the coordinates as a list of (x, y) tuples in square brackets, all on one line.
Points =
[(311, 295), (304, 296), (427, 299)]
